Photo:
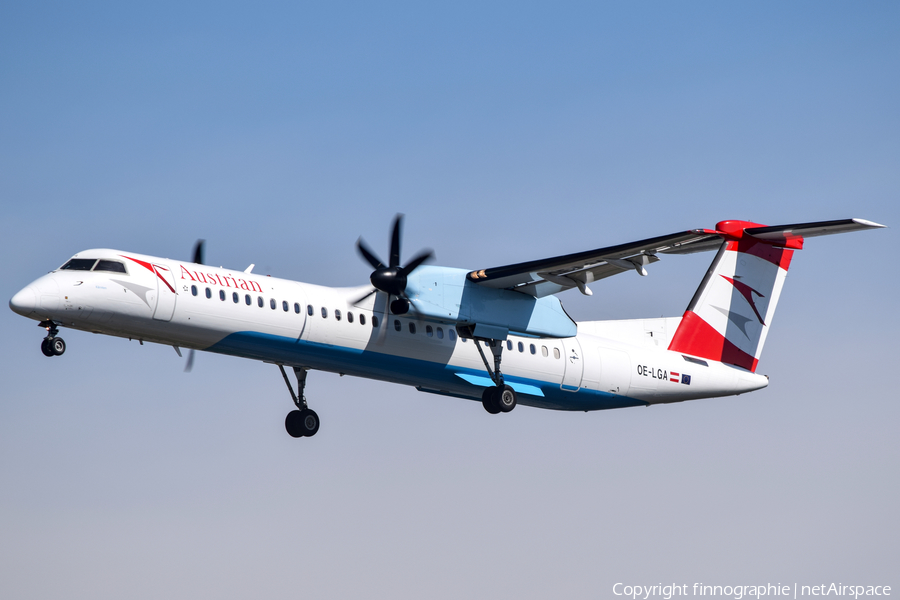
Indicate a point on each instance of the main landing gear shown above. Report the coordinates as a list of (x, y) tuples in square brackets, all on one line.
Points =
[(52, 345), (501, 397), (303, 422)]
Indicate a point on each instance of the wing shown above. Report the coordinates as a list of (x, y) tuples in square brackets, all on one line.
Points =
[(553, 275)]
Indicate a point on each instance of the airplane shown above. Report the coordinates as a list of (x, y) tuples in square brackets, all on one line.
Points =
[(497, 335)]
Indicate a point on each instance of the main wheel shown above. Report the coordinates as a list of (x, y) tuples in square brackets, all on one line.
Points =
[(506, 398), (302, 423), (57, 346), (45, 347), (489, 400)]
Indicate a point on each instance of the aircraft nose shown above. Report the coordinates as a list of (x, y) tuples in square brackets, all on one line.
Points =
[(24, 302)]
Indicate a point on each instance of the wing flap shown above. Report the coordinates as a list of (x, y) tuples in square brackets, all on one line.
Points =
[(539, 277)]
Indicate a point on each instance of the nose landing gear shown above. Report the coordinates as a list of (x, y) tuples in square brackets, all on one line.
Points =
[(52, 345), (303, 422)]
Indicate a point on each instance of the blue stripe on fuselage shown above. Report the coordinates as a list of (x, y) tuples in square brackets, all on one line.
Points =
[(423, 374)]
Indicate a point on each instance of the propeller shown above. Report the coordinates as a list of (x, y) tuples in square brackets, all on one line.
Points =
[(198, 259), (198, 252), (392, 278)]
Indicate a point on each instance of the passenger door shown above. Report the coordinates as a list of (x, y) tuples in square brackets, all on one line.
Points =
[(574, 365), (165, 293)]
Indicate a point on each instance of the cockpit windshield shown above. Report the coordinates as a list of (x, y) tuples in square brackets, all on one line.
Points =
[(93, 264), (112, 266), (79, 264)]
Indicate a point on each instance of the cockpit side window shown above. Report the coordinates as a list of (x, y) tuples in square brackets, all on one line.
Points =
[(79, 264), (113, 266)]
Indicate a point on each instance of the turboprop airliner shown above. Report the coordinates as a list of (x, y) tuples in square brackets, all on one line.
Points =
[(496, 335)]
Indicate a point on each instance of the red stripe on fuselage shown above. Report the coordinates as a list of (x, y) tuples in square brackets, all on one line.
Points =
[(150, 267)]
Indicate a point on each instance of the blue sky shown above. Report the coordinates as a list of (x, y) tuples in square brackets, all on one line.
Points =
[(281, 132)]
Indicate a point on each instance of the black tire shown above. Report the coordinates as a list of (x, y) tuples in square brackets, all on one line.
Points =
[(505, 398), (310, 421), (488, 400), (57, 346), (45, 347), (301, 423), (293, 423)]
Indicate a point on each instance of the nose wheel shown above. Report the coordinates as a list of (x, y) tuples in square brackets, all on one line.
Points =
[(52, 345)]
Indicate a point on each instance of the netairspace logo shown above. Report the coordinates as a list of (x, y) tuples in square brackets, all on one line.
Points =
[(667, 592)]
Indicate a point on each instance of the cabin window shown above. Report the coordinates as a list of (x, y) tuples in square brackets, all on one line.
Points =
[(247, 299), (451, 333), (429, 331), (544, 351), (297, 307), (349, 317), (234, 297), (208, 293), (556, 353), (309, 309), (260, 302), (272, 303), (509, 344), (222, 295), (374, 321), (362, 319), (193, 290), (113, 266), (397, 325), (532, 349), (79, 264), (337, 315), (521, 347), (440, 333), (412, 327), (284, 305), (324, 313)]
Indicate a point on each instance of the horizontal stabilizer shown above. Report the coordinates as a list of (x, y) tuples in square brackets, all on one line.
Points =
[(783, 233)]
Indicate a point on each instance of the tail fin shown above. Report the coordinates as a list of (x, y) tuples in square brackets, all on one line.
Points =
[(731, 312)]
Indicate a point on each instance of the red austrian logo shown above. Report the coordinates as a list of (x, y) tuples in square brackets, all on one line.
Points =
[(747, 292), (153, 269)]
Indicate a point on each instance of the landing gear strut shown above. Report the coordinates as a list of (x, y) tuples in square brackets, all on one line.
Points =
[(303, 422), (52, 345), (501, 397)]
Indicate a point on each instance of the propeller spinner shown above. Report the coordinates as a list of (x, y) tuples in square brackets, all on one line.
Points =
[(392, 279)]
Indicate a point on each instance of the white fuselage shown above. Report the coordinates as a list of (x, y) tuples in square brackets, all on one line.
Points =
[(608, 364)]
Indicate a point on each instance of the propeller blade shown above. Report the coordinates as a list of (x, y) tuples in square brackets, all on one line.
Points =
[(198, 252), (190, 361), (417, 261), (363, 297), (368, 254), (395, 241), (383, 319)]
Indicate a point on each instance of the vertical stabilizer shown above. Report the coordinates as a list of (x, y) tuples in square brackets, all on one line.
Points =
[(731, 312)]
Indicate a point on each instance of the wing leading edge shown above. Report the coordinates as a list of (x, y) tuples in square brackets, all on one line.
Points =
[(549, 276)]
